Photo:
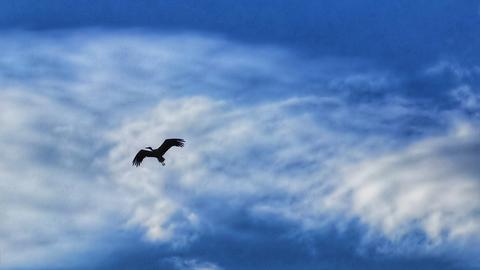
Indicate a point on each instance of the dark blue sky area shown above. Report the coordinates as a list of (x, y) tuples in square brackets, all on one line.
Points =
[(396, 33), (245, 243)]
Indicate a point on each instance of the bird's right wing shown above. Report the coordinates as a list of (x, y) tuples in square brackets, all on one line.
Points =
[(140, 156), (168, 143)]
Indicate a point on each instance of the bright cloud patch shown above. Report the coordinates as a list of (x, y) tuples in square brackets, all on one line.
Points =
[(50, 202), (431, 186)]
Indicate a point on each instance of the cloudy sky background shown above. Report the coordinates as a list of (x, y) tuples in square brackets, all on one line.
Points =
[(320, 135)]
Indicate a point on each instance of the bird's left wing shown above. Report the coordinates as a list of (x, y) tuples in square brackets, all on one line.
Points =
[(140, 156)]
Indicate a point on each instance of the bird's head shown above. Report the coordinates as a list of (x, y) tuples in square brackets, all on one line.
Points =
[(148, 147)]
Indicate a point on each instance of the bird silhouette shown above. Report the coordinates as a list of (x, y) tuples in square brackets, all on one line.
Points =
[(157, 153)]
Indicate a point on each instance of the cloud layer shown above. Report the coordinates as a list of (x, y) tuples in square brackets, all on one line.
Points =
[(269, 134)]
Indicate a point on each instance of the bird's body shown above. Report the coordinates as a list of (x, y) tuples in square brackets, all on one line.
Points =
[(157, 153)]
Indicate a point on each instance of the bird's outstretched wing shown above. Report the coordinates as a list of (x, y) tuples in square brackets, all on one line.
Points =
[(168, 143), (140, 156)]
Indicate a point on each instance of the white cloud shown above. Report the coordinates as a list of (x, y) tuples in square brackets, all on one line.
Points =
[(50, 205), (431, 187)]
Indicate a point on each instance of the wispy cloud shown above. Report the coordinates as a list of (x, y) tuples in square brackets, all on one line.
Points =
[(430, 187)]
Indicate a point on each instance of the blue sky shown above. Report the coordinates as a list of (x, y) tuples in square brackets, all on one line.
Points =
[(320, 134)]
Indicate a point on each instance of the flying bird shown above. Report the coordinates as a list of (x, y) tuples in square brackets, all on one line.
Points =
[(157, 153)]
